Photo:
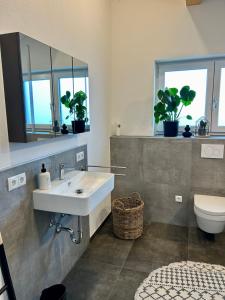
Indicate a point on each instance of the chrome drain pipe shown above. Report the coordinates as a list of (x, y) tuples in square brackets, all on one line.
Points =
[(79, 230), (59, 227)]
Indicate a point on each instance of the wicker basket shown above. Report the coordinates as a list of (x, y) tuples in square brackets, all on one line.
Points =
[(128, 216)]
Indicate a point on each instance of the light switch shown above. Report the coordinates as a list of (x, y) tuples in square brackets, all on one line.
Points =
[(212, 151)]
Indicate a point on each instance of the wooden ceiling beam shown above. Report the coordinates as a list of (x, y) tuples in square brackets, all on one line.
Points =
[(193, 2)]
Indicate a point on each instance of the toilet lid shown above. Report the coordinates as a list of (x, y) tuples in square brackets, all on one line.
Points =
[(211, 205)]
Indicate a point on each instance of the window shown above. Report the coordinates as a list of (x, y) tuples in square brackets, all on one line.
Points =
[(221, 119), (37, 94), (207, 78), (42, 101)]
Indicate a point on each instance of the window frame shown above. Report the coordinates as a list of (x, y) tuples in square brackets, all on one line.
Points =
[(219, 64), (190, 64)]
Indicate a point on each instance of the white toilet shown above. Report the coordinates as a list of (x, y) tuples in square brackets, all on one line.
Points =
[(210, 213)]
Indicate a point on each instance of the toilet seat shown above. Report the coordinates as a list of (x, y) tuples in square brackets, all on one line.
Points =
[(210, 205)]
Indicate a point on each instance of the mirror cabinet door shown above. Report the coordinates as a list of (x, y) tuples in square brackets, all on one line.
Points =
[(62, 78), (37, 88), (41, 76)]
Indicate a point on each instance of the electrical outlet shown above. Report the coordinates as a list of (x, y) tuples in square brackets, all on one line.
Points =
[(12, 183), (16, 181), (80, 156), (178, 199), (21, 179)]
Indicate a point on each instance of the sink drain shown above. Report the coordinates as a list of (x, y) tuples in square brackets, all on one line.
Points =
[(79, 191)]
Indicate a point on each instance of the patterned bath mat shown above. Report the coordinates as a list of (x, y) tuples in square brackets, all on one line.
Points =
[(184, 280)]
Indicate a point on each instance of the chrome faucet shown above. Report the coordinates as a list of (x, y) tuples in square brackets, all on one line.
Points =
[(62, 170)]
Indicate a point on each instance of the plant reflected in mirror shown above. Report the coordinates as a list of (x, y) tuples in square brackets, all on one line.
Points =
[(76, 108)]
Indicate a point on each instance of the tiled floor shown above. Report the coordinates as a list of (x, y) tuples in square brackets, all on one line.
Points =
[(112, 269)]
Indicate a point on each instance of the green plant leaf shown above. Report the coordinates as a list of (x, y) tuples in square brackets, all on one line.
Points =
[(184, 91), (170, 103), (156, 115), (167, 94), (192, 94), (186, 102), (173, 91), (160, 107), (163, 117), (177, 100), (187, 95), (63, 99), (160, 94), (157, 120), (68, 94), (189, 117)]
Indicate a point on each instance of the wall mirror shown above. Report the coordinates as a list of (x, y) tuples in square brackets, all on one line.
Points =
[(37, 78)]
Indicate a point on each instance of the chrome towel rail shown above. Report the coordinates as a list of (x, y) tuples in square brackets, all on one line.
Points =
[(106, 167), (109, 167)]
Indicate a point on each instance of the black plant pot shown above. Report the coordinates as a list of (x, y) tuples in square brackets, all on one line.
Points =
[(170, 128), (78, 126)]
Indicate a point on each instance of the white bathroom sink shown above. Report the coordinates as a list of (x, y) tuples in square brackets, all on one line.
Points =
[(64, 197)]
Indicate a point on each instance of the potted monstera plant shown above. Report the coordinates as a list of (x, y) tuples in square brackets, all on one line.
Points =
[(169, 107), (77, 109)]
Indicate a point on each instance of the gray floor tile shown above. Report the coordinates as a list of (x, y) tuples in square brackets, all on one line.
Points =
[(147, 253), (105, 247), (90, 264), (166, 232), (209, 254), (127, 284), (91, 280), (205, 248), (200, 238), (113, 269)]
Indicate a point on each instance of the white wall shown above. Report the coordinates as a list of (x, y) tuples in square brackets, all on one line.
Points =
[(80, 28), (146, 30), (142, 31)]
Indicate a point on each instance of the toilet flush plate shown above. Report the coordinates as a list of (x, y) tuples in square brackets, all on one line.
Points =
[(212, 151)]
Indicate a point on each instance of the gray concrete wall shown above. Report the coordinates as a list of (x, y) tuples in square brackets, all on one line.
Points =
[(160, 168), (37, 256)]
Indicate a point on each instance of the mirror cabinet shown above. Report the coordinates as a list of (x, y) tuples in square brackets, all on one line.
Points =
[(36, 77)]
